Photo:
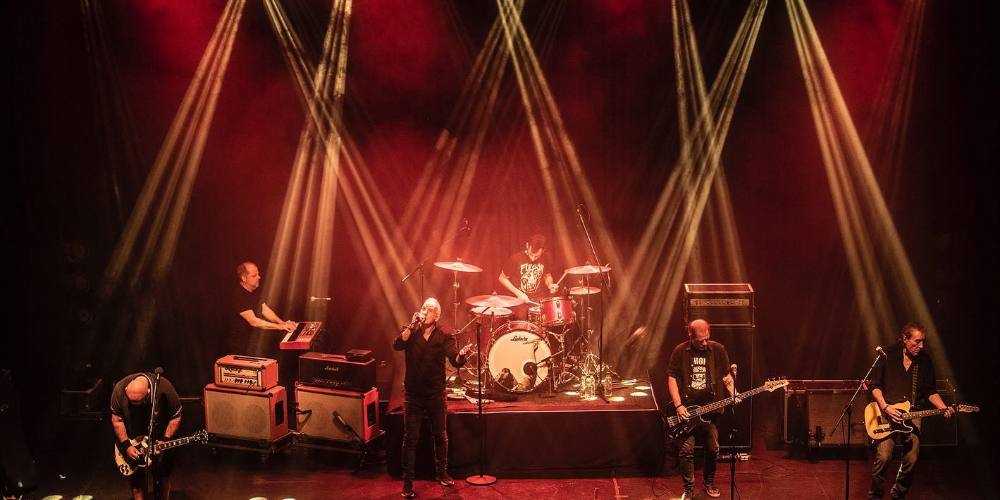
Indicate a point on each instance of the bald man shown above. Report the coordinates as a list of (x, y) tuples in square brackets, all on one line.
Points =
[(426, 344), (248, 311), (131, 407), (698, 373)]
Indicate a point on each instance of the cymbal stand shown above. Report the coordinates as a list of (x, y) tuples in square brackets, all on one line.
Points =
[(423, 262), (607, 289)]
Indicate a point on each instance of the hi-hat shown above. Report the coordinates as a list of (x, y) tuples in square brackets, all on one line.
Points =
[(588, 269), (499, 312), (584, 290), (459, 266), (494, 301)]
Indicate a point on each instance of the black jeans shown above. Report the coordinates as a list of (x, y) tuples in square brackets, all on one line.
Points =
[(908, 462), (686, 454), (414, 411)]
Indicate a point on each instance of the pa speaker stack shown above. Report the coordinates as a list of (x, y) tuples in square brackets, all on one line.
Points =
[(337, 399), (729, 310), (246, 403)]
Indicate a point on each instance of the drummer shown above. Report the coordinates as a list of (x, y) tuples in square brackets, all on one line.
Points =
[(531, 272)]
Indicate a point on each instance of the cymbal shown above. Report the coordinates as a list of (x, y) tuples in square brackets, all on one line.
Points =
[(494, 301), (584, 290), (499, 312), (459, 266), (588, 269)]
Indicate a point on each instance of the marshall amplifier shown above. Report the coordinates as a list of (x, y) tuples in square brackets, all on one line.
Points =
[(246, 372), (336, 372), (723, 304)]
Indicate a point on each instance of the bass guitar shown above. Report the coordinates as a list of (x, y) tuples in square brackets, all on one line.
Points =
[(127, 466), (879, 425), (676, 427)]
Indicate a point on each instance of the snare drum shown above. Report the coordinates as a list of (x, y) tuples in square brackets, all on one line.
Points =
[(514, 357), (535, 314), (557, 312)]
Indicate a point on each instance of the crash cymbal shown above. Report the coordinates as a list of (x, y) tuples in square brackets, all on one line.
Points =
[(499, 312), (493, 301), (584, 290), (588, 269), (459, 266)]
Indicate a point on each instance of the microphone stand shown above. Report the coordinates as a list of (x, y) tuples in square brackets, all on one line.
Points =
[(481, 479), (599, 389), (420, 266), (732, 443), (847, 427), (151, 438)]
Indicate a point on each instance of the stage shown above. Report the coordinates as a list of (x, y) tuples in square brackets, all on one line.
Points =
[(538, 435)]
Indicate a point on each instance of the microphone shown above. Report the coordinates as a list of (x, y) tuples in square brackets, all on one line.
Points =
[(158, 371), (340, 420), (732, 369), (313, 298), (880, 351)]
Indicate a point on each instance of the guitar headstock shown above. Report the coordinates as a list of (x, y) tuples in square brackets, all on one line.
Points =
[(200, 436), (965, 408), (775, 384)]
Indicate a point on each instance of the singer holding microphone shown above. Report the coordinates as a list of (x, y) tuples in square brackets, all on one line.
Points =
[(904, 372), (131, 409), (426, 344), (698, 371)]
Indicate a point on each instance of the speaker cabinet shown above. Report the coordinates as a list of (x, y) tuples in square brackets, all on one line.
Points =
[(317, 405), (239, 414), (813, 407)]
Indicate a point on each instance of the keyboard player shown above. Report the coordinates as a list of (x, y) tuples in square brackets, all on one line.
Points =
[(248, 314)]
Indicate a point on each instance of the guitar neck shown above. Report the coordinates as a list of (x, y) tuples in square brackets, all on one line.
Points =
[(166, 445), (726, 402), (924, 413)]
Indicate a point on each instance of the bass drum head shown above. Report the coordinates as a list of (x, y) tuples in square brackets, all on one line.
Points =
[(514, 356)]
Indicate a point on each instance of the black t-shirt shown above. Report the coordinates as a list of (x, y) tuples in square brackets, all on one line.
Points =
[(425, 361), (238, 341), (897, 383), (699, 374), (136, 417), (528, 275)]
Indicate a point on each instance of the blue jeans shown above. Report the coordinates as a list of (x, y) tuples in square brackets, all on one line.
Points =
[(908, 462)]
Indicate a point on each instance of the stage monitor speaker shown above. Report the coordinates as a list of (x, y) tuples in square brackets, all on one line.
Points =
[(739, 346), (249, 415), (317, 405)]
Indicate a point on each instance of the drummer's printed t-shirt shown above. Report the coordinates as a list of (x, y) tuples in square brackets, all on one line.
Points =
[(528, 275)]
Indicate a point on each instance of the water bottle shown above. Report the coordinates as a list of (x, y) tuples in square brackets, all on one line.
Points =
[(588, 386), (607, 385)]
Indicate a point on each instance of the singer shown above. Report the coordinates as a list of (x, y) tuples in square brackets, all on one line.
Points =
[(426, 345), (698, 370), (904, 373), (247, 311), (533, 272), (130, 412)]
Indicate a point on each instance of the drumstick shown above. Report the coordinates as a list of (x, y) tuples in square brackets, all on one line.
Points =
[(561, 278)]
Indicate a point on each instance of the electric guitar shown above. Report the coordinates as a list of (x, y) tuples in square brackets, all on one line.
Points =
[(676, 427), (880, 425), (127, 466)]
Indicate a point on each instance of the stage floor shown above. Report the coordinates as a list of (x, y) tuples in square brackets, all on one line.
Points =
[(83, 466)]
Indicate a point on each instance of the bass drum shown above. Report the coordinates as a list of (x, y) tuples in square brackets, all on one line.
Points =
[(514, 357)]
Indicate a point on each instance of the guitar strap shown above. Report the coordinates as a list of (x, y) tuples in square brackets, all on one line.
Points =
[(913, 385)]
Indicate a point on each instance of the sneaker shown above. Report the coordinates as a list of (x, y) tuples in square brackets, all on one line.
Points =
[(688, 495), (712, 490), (446, 480), (408, 489)]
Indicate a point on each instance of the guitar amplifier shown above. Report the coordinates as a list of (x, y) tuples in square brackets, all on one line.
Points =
[(812, 408), (246, 372), (334, 371), (317, 407), (241, 414), (724, 304)]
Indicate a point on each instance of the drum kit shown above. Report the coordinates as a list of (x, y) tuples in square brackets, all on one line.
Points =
[(523, 356)]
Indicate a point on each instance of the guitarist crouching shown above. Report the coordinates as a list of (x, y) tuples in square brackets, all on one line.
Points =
[(905, 373), (698, 370), (130, 412)]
